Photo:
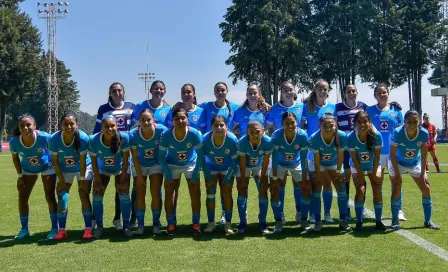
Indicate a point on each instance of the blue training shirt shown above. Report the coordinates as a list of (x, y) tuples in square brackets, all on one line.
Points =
[(160, 113), (346, 115), (107, 161), (196, 119), (274, 117), (408, 151), (243, 115), (211, 110), (363, 155), (328, 152), (385, 121), (36, 158), (254, 157), (69, 159), (123, 116), (312, 118), (147, 149), (287, 154)]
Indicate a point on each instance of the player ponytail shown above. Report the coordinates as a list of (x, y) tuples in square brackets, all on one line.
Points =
[(330, 116), (116, 142), (23, 116), (76, 137), (370, 131), (261, 105), (312, 98)]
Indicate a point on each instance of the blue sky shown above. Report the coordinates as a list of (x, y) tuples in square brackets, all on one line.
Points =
[(105, 41)]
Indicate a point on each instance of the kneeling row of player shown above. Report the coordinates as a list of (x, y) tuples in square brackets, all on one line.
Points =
[(160, 152)]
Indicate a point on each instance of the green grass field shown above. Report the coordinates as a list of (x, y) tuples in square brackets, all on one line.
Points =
[(290, 250)]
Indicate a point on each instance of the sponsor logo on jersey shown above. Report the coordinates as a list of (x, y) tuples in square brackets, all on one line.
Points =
[(34, 161), (364, 156), (253, 160), (289, 156), (109, 161), (351, 120), (69, 161), (327, 157), (409, 153), (182, 156), (219, 160), (149, 153)]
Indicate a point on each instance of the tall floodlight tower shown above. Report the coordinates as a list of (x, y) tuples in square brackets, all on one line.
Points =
[(146, 77), (51, 12)]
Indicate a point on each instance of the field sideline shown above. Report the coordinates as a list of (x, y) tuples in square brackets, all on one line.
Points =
[(291, 250)]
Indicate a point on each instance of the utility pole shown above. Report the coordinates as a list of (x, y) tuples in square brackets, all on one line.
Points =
[(51, 12)]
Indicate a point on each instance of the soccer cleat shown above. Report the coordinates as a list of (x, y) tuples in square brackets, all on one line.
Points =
[(283, 218), (265, 231), (328, 218), (52, 234), (156, 230), (23, 233), (241, 228), (312, 220), (140, 230), (305, 226), (87, 234), (98, 233), (278, 227), (93, 224), (210, 227), (222, 221), (343, 225), (401, 216), (438, 171), (395, 225), (62, 234), (298, 217), (117, 224), (228, 228), (380, 226), (170, 230), (196, 229), (358, 226), (318, 226), (128, 232), (431, 225)]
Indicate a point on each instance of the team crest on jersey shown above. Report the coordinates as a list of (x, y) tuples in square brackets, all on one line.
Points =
[(327, 157), (219, 160), (384, 125), (121, 120), (253, 160), (261, 152), (109, 161), (351, 120), (289, 156), (149, 153), (182, 156), (364, 156), (419, 144), (69, 161), (34, 161), (163, 114), (393, 114), (39, 150), (298, 111), (157, 142), (227, 151), (296, 146), (409, 153), (189, 145), (195, 118)]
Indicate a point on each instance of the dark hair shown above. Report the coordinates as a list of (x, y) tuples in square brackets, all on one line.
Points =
[(311, 99), (110, 89), (116, 138), (25, 115), (179, 110), (288, 114), (216, 117), (254, 122), (281, 87), (227, 101), (412, 112), (154, 83), (195, 101), (76, 139), (345, 89), (330, 116), (260, 103), (144, 111), (396, 105), (370, 131), (381, 85)]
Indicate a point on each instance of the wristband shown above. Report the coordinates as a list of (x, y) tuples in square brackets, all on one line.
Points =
[(82, 178), (19, 175)]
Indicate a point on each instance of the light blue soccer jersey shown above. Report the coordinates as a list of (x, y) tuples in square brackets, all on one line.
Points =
[(254, 157), (408, 152), (36, 158), (196, 119), (181, 152), (219, 158), (312, 118), (211, 110), (243, 115), (147, 149), (274, 117), (69, 159), (385, 122), (108, 162), (287, 154), (328, 152), (160, 113), (364, 156)]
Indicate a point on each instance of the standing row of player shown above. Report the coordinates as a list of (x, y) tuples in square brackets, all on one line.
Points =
[(255, 115)]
